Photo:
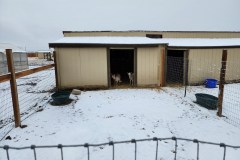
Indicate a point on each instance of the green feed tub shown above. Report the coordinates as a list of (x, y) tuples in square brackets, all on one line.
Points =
[(207, 101), (61, 97)]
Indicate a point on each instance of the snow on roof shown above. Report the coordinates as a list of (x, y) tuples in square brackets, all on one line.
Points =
[(44, 51), (172, 42), (202, 42), (4, 46), (106, 40)]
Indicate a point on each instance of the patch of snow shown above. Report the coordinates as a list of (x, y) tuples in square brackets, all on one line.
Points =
[(123, 114)]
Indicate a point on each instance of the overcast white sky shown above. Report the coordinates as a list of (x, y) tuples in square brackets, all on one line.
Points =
[(35, 23)]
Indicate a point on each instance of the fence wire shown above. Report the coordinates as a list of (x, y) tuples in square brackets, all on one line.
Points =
[(198, 74), (33, 89), (175, 70), (231, 97), (6, 109), (199, 145), (33, 92)]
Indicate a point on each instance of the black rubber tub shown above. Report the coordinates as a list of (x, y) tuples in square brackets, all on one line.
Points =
[(206, 100), (61, 97)]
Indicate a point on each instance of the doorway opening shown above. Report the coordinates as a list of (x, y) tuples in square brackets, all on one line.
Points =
[(121, 62), (175, 67)]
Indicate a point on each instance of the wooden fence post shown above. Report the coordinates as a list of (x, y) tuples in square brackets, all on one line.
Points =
[(222, 82), (13, 85)]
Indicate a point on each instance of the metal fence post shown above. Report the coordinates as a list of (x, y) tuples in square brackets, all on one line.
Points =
[(222, 81), (186, 61), (13, 85)]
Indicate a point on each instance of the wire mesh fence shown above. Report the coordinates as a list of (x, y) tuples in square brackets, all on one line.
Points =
[(6, 109), (33, 89), (175, 70), (231, 96), (33, 92), (201, 78), (198, 150)]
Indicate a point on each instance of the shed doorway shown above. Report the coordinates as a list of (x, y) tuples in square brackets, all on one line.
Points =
[(175, 67), (121, 62)]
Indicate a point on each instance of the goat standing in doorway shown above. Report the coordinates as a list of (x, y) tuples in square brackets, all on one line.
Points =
[(131, 77), (116, 78)]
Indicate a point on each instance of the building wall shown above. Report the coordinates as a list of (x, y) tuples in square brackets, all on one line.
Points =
[(206, 63), (164, 34), (149, 66), (20, 61), (40, 55), (82, 67), (233, 65), (3, 63)]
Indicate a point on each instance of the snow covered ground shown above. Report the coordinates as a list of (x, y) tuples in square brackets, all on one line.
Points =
[(123, 114), (34, 61)]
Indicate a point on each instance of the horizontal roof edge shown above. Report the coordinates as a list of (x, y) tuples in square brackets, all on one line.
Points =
[(74, 45), (203, 47), (152, 31)]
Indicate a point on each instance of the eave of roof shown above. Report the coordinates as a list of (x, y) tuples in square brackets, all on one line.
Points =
[(153, 31), (146, 42)]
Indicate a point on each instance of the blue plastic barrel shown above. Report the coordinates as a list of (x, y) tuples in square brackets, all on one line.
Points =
[(210, 83)]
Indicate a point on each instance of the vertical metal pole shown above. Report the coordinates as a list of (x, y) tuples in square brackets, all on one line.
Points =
[(186, 60), (156, 151), (163, 68), (108, 68), (135, 81), (14, 91), (222, 81), (56, 70)]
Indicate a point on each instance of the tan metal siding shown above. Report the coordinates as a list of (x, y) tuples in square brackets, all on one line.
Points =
[(82, 67), (165, 34), (206, 63), (148, 66), (203, 64), (233, 65)]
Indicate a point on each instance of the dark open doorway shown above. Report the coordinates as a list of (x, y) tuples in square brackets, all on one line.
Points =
[(121, 62), (175, 67)]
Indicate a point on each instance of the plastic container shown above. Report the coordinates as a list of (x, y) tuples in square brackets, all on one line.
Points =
[(207, 101), (61, 97), (210, 83)]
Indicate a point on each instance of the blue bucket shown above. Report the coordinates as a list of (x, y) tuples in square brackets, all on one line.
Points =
[(210, 83)]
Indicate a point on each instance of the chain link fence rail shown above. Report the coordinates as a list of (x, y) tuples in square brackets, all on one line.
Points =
[(157, 153)]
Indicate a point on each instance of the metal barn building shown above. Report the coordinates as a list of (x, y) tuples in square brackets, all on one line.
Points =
[(87, 59), (19, 56)]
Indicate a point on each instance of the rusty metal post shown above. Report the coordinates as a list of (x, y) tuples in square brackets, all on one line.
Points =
[(13, 85), (56, 70), (222, 82)]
